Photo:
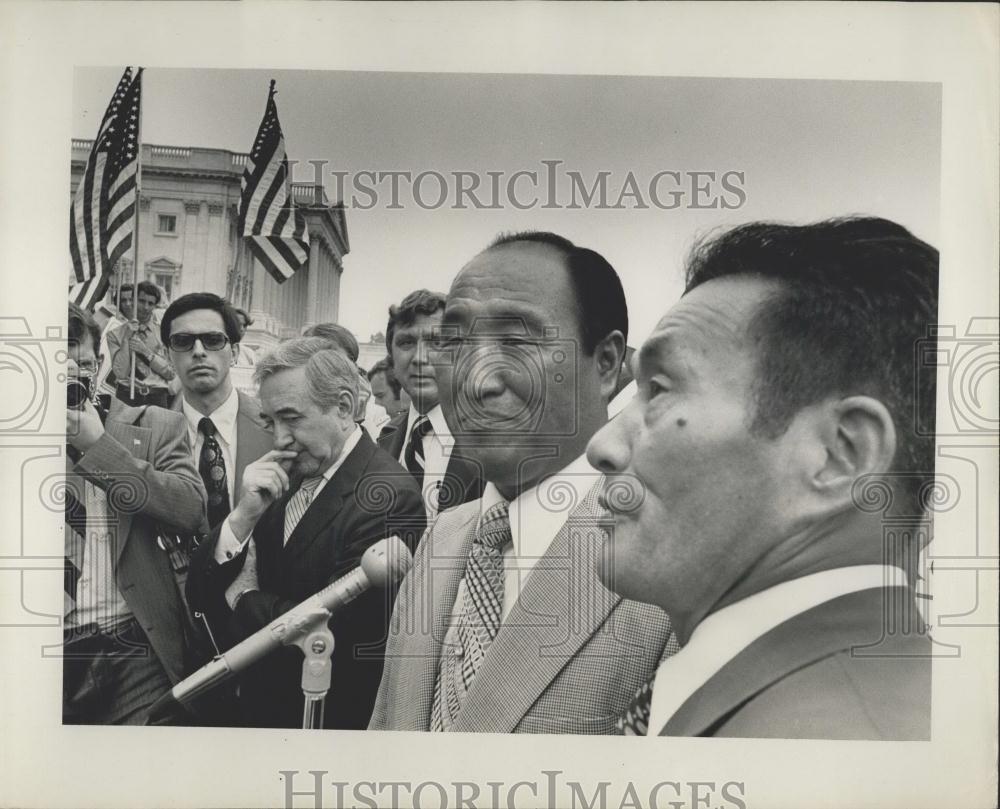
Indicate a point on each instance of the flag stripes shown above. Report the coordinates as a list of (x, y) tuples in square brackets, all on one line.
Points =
[(274, 231), (102, 216)]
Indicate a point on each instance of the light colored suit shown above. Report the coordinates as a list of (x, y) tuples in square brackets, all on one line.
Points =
[(841, 670), (143, 463), (567, 659)]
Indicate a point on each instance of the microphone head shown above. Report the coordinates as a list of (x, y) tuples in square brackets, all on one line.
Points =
[(387, 561)]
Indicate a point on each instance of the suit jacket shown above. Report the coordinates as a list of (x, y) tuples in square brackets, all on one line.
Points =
[(144, 464), (463, 480), (368, 498), (833, 672), (568, 658), (252, 439)]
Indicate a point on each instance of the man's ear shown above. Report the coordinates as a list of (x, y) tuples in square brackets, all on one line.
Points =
[(609, 355), (236, 354), (860, 439), (346, 404)]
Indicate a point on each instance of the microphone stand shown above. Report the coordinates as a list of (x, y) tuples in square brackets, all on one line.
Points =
[(316, 642)]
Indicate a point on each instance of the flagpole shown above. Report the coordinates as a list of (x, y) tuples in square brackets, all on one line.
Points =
[(135, 236)]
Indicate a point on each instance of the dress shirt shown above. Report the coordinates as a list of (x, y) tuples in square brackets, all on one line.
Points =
[(537, 515), (724, 634), (224, 419), (99, 600), (229, 546), (437, 446)]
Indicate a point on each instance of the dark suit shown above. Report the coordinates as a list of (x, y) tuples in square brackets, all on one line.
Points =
[(368, 498), (148, 455), (463, 480), (833, 672)]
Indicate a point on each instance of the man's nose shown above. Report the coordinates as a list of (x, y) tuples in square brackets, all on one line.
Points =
[(609, 450), (198, 349), (282, 437)]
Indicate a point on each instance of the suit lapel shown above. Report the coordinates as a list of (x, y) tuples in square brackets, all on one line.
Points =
[(560, 608), (136, 440), (393, 435), (327, 504), (436, 580), (252, 440), (852, 620)]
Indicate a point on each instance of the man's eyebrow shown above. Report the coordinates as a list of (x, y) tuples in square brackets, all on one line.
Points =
[(287, 411), (654, 347)]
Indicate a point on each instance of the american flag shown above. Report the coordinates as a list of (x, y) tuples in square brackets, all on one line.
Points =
[(102, 217), (275, 232)]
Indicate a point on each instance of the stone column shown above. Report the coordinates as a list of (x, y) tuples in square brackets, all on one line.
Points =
[(314, 270)]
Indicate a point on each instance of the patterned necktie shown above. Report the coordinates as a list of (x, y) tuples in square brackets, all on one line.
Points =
[(482, 612), (298, 503), (212, 468), (141, 366), (414, 455), (635, 720)]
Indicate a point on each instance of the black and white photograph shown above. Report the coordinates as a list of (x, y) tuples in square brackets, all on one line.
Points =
[(524, 372)]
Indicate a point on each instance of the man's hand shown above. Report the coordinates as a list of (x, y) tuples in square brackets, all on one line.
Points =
[(139, 348), (246, 579), (264, 481)]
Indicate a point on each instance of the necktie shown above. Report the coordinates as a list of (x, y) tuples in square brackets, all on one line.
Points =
[(482, 611), (635, 720), (298, 503), (414, 455), (212, 468), (141, 366)]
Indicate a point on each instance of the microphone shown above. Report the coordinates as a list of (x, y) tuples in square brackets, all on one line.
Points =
[(384, 563)]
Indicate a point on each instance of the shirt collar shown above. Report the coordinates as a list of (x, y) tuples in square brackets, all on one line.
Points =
[(223, 417), (724, 634), (538, 514), (349, 444), (437, 420)]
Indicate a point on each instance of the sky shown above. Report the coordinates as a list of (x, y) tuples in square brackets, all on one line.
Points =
[(806, 149)]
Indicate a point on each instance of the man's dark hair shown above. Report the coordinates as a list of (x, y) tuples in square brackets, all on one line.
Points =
[(419, 302), (125, 288), (149, 288), (245, 315), (598, 289), (856, 298), (384, 366), (337, 335), (82, 327), (200, 300)]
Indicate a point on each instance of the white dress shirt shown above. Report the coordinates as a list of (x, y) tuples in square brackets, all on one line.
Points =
[(229, 545), (224, 419), (724, 634), (537, 515), (437, 445)]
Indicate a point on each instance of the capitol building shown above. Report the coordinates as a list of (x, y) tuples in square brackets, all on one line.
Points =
[(188, 240)]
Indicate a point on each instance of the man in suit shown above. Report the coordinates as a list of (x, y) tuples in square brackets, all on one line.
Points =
[(202, 333), (502, 625), (420, 438), (779, 387), (309, 509), (128, 478)]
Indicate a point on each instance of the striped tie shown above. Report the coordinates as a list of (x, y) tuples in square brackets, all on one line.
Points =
[(299, 503), (414, 455), (482, 612)]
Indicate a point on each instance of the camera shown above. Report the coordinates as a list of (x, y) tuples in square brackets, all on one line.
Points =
[(79, 391)]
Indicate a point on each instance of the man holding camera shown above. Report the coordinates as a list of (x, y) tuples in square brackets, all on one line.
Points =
[(129, 476)]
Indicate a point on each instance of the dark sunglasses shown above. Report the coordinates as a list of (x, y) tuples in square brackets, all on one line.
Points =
[(211, 340)]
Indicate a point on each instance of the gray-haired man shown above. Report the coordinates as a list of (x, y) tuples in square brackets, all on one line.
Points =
[(309, 509)]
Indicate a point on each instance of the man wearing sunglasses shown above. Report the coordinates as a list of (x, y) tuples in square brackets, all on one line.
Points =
[(202, 333)]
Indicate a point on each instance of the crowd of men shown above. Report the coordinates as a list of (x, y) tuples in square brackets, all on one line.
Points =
[(606, 541)]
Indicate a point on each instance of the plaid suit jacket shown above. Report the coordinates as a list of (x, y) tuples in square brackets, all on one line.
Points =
[(567, 659)]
